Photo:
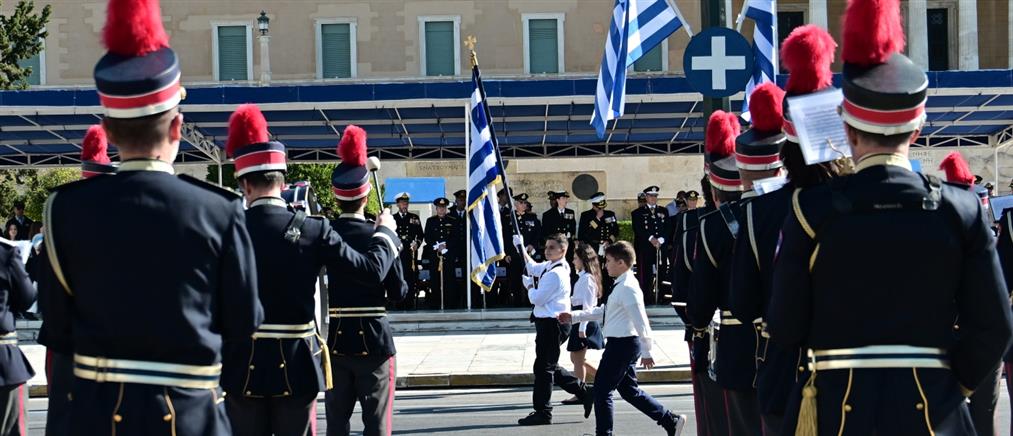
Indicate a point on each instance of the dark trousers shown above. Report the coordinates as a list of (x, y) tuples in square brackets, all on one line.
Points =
[(772, 424), (13, 399), (129, 409), (550, 335), (368, 380), (617, 371), (743, 412), (983, 402), (279, 416), (708, 399), (60, 377)]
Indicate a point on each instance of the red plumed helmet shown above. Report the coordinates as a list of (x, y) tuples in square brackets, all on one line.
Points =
[(956, 168), (765, 107), (134, 27), (94, 148), (246, 126), (722, 128), (808, 53), (352, 148), (872, 32)]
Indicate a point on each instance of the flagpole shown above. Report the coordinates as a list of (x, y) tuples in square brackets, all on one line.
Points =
[(495, 144)]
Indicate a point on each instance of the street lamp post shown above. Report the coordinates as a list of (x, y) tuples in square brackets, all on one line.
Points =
[(263, 23)]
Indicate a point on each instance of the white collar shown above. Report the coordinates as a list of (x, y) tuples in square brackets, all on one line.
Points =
[(749, 194), (352, 216), (146, 165), (269, 201)]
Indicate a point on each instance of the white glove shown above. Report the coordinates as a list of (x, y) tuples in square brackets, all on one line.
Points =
[(528, 281), (443, 251), (518, 241)]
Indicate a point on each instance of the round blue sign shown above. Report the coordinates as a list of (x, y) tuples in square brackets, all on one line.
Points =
[(718, 62)]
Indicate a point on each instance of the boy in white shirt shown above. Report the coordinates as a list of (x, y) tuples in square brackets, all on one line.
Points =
[(628, 336)]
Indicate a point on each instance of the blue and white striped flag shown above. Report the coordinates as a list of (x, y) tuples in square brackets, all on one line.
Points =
[(764, 44), (637, 26), (484, 174)]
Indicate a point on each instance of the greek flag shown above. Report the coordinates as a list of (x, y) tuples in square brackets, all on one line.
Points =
[(764, 44), (637, 27), (484, 174)]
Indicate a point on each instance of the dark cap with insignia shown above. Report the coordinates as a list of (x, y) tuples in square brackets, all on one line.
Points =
[(598, 199), (977, 179), (139, 74), (652, 190), (719, 140), (94, 153), (249, 144), (441, 202), (460, 194), (521, 197), (884, 92), (692, 195), (402, 196), (808, 53), (558, 194), (350, 179), (759, 148)]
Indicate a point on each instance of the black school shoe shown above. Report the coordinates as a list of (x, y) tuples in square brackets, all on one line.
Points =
[(535, 418), (587, 396)]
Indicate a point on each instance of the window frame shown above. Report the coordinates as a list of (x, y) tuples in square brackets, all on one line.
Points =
[(664, 61), (353, 37), (215, 68), (422, 20), (560, 18)]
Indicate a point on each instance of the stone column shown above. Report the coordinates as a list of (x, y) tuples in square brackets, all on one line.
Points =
[(265, 60), (818, 13), (967, 28), (917, 33)]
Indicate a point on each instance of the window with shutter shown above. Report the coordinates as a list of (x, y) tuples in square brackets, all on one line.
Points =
[(439, 48), (233, 63), (336, 50), (34, 63), (543, 46), (650, 61)]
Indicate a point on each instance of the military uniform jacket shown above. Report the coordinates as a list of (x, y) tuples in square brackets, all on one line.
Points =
[(1004, 247), (751, 288), (685, 227), (553, 222), (648, 223), (16, 295), (409, 228), (287, 273), (709, 291), (863, 262), (176, 279), (594, 231), (348, 334), (440, 230), (531, 230)]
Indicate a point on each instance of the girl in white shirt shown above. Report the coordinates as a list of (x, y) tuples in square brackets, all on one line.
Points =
[(586, 293)]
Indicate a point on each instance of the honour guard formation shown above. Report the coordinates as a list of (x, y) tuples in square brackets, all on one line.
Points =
[(826, 285)]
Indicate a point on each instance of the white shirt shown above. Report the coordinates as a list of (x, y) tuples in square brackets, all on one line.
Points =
[(623, 314), (553, 291), (585, 294)]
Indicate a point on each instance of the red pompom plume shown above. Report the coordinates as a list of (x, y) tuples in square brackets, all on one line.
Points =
[(134, 27), (352, 148), (765, 107), (246, 126), (94, 148), (722, 128), (808, 53), (956, 168), (872, 32)]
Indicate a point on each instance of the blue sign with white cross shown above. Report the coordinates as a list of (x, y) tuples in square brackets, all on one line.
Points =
[(718, 62)]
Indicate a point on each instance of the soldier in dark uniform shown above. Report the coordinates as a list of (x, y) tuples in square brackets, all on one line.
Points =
[(733, 365), (439, 236), (17, 294), (458, 248), (459, 209), (146, 340), (598, 228), (559, 219), (359, 336), (409, 231), (809, 52), (650, 232), (1004, 247), (60, 363), (531, 231), (874, 268), (272, 380)]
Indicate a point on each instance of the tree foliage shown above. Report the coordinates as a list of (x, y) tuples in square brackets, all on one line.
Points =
[(21, 36), (32, 187)]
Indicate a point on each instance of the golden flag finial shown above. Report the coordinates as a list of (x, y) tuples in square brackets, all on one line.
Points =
[(470, 42)]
